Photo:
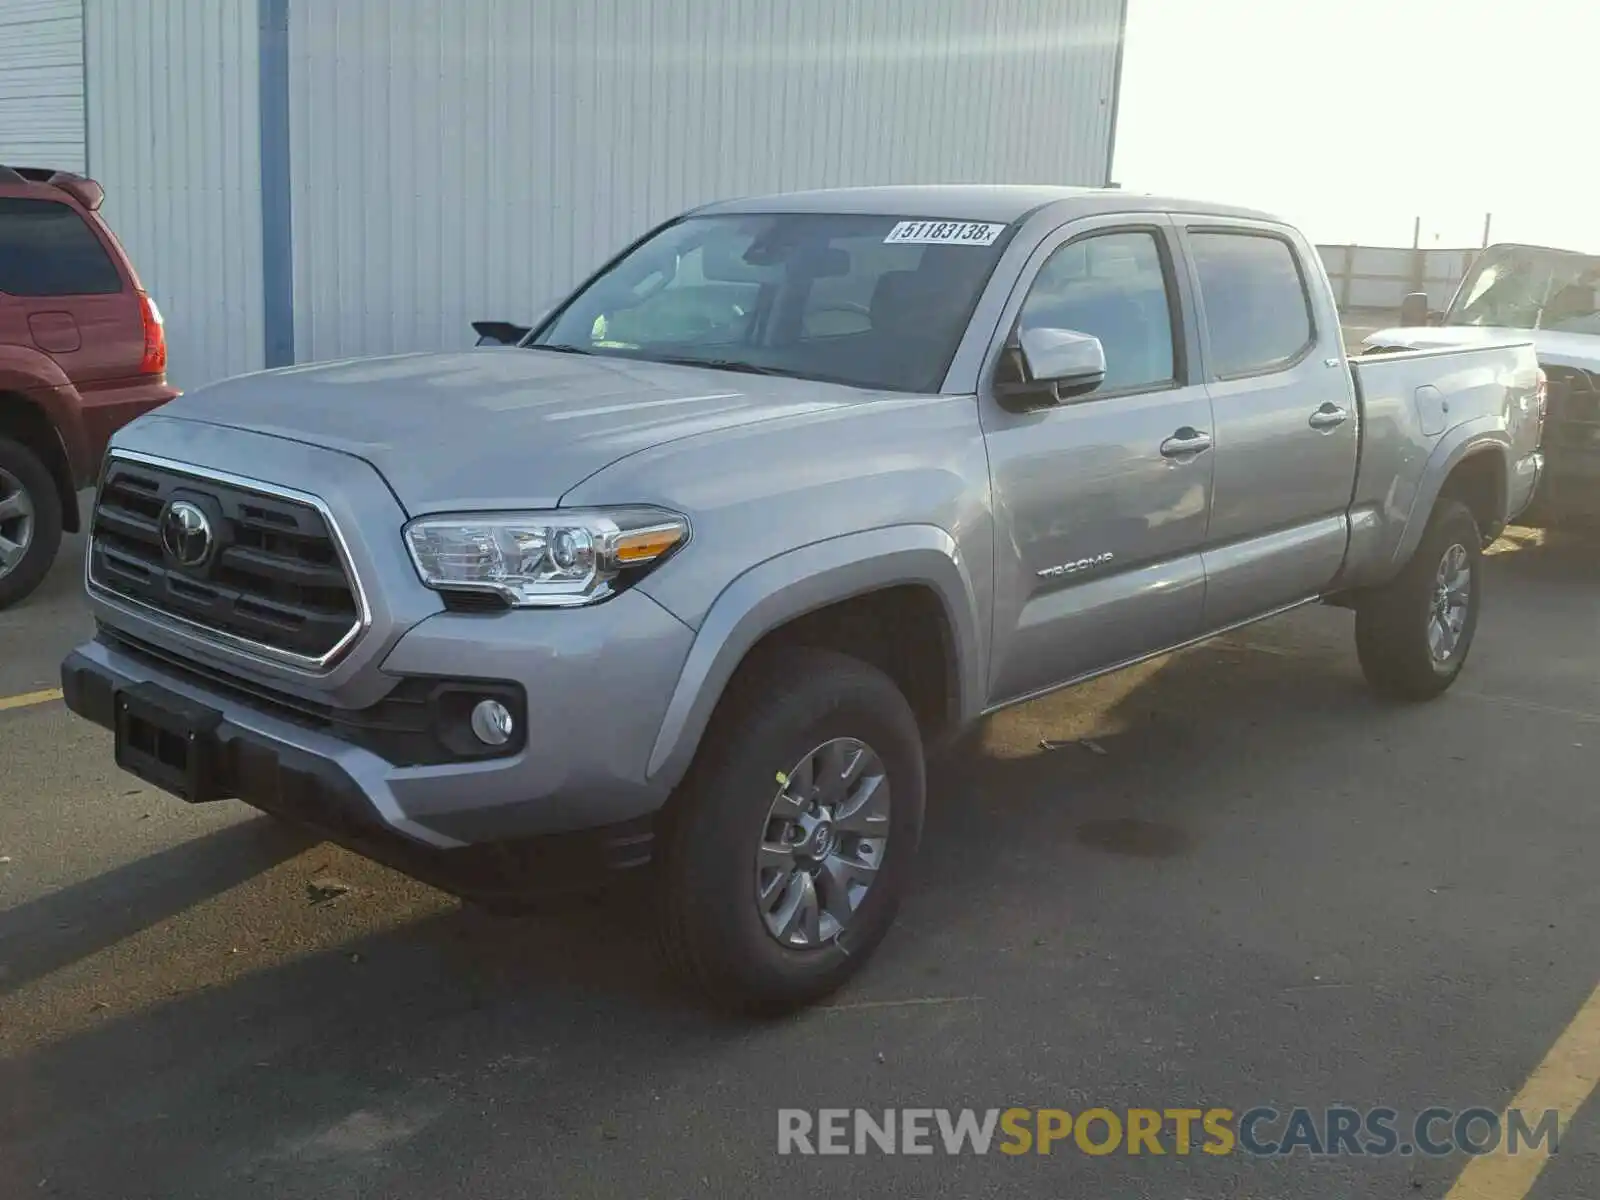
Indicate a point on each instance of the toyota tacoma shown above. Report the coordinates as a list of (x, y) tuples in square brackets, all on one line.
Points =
[(687, 581)]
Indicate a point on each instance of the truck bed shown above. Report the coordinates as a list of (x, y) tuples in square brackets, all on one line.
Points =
[(1420, 407)]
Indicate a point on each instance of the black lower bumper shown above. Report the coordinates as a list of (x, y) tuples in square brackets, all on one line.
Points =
[(197, 754)]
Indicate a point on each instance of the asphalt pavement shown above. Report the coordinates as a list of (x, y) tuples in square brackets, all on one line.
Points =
[(1229, 878)]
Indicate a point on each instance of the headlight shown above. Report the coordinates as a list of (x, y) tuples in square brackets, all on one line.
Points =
[(555, 559)]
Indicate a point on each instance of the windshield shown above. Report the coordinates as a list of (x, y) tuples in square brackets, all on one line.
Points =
[(1520, 287), (879, 302)]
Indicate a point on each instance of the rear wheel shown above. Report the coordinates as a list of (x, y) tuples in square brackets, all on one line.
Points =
[(1413, 634), (788, 847), (30, 521)]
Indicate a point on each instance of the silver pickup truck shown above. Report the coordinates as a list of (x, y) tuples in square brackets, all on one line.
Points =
[(784, 496)]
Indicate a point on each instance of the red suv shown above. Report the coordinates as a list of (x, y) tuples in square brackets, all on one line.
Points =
[(82, 353)]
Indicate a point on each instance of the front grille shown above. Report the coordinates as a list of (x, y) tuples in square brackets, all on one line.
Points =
[(1572, 409), (274, 582)]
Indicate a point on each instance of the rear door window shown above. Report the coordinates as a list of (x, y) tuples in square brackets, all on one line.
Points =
[(46, 249), (1258, 313)]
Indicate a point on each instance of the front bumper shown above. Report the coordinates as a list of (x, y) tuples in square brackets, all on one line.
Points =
[(596, 683), (335, 790)]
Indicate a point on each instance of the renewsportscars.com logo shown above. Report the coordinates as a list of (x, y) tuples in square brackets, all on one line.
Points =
[(1258, 1132)]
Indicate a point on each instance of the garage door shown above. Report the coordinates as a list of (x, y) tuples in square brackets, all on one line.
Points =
[(41, 83)]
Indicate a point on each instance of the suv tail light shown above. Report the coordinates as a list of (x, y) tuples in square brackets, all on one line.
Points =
[(154, 361)]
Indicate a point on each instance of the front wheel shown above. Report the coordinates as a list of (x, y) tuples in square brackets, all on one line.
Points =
[(788, 847), (1414, 633)]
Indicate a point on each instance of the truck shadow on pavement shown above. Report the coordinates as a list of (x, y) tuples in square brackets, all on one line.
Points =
[(69, 925)]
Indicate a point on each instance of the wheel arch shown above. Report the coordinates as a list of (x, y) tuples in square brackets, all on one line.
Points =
[(877, 594), (1474, 467), (1481, 481)]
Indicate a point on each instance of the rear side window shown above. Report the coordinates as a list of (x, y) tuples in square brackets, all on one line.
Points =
[(1257, 310), (46, 249)]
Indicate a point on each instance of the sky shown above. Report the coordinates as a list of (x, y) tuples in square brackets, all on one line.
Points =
[(1352, 118)]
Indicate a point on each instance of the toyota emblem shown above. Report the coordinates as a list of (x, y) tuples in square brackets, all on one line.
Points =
[(186, 534)]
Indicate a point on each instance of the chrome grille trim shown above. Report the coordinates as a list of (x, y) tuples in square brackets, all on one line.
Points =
[(243, 646)]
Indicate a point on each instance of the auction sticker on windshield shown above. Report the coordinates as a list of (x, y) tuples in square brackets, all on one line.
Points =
[(944, 233)]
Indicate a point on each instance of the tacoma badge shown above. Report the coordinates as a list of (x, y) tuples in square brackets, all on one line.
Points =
[(1076, 565)]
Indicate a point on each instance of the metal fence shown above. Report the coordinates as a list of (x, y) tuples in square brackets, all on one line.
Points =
[(1379, 277)]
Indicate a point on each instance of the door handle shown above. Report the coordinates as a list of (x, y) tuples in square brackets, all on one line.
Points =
[(1329, 416), (1186, 442)]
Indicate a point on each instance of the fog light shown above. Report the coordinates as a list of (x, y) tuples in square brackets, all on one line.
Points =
[(492, 723)]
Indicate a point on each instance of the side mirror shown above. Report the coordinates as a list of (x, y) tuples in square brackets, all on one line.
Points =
[(1414, 311), (1053, 365), (499, 333)]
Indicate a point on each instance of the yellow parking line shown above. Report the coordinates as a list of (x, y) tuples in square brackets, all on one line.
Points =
[(28, 699), (1563, 1081)]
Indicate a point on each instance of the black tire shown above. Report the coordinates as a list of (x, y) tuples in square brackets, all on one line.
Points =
[(1392, 638), (776, 712), (23, 465)]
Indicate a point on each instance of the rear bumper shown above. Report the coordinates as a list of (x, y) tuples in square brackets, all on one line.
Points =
[(108, 409)]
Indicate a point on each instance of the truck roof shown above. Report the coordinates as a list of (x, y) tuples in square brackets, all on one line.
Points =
[(971, 202)]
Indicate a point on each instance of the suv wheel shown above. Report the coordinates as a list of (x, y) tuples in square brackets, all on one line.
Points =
[(1414, 633), (30, 521), (787, 849)]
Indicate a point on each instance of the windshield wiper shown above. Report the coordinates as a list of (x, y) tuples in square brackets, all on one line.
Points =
[(556, 349), (721, 364)]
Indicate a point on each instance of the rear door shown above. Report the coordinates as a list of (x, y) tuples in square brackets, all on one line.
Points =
[(1101, 501), (1287, 425)]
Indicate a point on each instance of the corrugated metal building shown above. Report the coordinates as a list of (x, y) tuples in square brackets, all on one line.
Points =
[(308, 179), (41, 83)]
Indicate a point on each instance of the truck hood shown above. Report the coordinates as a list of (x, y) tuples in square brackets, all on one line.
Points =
[(1580, 350), (497, 427)]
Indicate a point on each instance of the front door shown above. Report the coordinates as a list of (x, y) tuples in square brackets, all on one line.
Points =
[(1287, 425), (1101, 502)]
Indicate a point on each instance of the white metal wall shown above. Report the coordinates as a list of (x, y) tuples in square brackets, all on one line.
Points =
[(457, 159), (173, 130), (41, 83)]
